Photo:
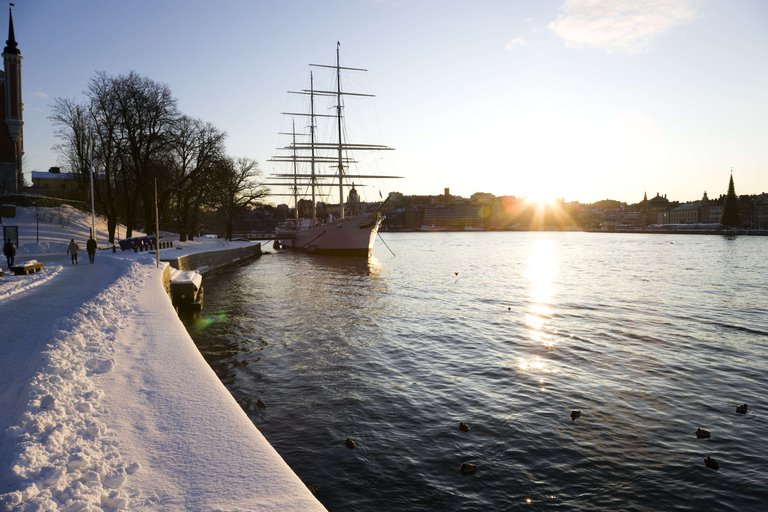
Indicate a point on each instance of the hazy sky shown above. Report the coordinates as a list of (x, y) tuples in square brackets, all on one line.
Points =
[(580, 99)]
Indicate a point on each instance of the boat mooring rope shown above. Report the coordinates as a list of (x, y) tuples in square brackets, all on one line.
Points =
[(385, 244)]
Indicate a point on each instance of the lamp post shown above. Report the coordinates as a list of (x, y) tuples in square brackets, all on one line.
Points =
[(157, 230), (90, 173), (93, 208)]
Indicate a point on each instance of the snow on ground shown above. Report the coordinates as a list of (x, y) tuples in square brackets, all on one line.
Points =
[(48, 230), (105, 402), (11, 285)]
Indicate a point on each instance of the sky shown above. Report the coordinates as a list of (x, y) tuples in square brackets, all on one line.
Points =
[(575, 99)]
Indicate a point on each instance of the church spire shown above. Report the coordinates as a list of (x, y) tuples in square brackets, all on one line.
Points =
[(10, 45), (12, 140)]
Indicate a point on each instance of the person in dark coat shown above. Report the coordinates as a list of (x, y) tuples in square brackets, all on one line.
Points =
[(90, 246), (72, 250), (10, 252)]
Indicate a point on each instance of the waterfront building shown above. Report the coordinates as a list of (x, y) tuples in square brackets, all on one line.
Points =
[(760, 211), (11, 122), (654, 210), (455, 217), (693, 212), (714, 212), (753, 211)]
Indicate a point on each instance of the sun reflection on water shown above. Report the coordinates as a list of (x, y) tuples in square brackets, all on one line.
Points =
[(542, 270), (535, 365)]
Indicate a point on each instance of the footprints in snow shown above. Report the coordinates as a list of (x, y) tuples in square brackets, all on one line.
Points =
[(97, 366)]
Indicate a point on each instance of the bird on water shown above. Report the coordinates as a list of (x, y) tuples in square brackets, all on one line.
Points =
[(702, 434), (711, 463), (463, 427), (575, 414), (741, 409)]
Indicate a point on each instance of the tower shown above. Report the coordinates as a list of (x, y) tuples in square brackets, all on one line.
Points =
[(730, 217), (11, 127)]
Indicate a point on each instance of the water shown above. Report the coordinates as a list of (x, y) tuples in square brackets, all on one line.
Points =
[(650, 336)]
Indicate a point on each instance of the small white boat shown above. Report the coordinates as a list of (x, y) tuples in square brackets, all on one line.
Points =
[(433, 228), (187, 290)]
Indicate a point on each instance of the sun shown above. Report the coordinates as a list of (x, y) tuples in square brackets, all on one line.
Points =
[(540, 190), (547, 211), (541, 199)]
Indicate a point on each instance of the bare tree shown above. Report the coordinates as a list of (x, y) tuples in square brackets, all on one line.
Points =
[(132, 132), (147, 112), (194, 149), (73, 130), (238, 189), (108, 151)]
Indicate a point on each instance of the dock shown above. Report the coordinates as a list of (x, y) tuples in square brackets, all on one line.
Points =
[(212, 260)]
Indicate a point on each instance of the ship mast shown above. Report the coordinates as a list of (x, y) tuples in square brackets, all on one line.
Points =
[(331, 152), (338, 123), (295, 174), (313, 177)]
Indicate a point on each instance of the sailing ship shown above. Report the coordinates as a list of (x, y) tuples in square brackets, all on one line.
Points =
[(346, 229)]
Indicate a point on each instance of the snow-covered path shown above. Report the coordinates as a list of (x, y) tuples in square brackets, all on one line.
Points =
[(176, 413), (31, 316), (106, 403)]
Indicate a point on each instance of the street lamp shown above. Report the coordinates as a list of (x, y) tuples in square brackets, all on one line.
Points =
[(90, 173)]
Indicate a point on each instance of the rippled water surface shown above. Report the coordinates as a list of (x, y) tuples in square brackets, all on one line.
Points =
[(650, 336)]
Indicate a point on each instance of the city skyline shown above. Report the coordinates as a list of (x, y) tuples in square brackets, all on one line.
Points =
[(579, 100)]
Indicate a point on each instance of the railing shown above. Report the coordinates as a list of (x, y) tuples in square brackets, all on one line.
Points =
[(259, 235)]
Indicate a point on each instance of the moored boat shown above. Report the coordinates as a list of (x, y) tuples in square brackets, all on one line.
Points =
[(346, 228), (187, 290)]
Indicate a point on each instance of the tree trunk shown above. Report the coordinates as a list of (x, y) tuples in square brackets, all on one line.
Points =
[(228, 235), (111, 225), (130, 214), (149, 209)]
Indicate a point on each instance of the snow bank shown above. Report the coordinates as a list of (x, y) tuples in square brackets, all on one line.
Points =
[(11, 285), (106, 403), (68, 456), (48, 230)]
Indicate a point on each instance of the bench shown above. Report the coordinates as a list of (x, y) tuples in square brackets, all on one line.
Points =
[(27, 267)]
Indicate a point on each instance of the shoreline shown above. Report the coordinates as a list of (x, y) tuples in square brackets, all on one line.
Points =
[(723, 232)]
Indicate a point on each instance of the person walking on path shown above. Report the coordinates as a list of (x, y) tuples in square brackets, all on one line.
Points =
[(90, 246), (72, 250), (10, 252)]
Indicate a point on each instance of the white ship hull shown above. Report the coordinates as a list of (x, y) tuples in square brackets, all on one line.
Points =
[(351, 236)]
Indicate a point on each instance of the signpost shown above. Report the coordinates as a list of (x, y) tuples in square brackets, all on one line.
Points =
[(12, 233)]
